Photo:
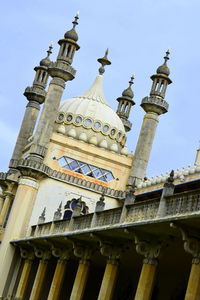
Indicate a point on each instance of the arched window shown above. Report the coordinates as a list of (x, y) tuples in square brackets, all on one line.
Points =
[(71, 205)]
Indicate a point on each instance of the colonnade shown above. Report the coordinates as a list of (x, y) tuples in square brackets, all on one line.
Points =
[(112, 252)]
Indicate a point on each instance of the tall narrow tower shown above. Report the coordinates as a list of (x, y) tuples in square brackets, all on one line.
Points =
[(61, 71), (35, 95), (154, 105), (125, 104)]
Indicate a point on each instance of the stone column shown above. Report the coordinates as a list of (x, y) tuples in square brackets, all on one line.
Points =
[(17, 226), (7, 204), (147, 277), (82, 273), (111, 271), (2, 198), (40, 275), (24, 278), (143, 148), (59, 273), (27, 128)]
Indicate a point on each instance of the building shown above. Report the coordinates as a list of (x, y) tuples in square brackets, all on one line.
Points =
[(78, 217)]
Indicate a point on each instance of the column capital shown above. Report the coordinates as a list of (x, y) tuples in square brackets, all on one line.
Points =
[(42, 254), (83, 252), (150, 250), (111, 251), (191, 242), (61, 254), (27, 254)]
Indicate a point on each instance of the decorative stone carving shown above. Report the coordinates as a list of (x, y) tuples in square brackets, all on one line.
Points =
[(62, 254), (27, 254), (110, 250), (41, 218), (83, 252), (191, 243), (42, 254), (100, 204), (58, 213), (150, 250), (29, 181)]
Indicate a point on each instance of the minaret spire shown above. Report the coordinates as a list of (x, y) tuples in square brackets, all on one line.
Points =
[(154, 105), (61, 71), (125, 104), (36, 96)]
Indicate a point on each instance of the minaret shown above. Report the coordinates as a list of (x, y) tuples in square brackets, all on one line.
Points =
[(125, 104), (154, 105), (35, 96), (61, 71)]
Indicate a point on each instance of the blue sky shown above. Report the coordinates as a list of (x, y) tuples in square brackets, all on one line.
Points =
[(137, 34)]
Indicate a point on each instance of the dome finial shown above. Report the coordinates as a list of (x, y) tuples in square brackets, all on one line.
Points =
[(75, 22), (49, 51), (166, 57), (131, 80), (45, 62), (103, 61)]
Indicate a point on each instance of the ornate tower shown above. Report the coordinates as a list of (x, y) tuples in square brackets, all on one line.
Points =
[(61, 71), (35, 95), (154, 105), (125, 104)]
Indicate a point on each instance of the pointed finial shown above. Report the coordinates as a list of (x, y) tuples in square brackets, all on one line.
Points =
[(49, 51), (43, 212), (75, 22), (131, 80), (166, 57), (103, 61)]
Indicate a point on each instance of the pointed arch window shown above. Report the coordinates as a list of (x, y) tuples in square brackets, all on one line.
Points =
[(71, 205)]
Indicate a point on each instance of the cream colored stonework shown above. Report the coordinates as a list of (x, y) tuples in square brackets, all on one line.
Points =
[(118, 164)]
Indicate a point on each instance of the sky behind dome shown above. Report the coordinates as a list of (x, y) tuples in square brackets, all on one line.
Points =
[(137, 34)]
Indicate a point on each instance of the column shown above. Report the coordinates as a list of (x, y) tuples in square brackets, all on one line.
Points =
[(111, 271), (2, 197), (24, 278), (193, 288), (6, 204), (82, 273), (58, 277), (16, 226), (40, 275), (146, 282)]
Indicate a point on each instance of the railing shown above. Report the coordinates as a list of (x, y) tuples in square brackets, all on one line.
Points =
[(180, 204), (184, 203), (146, 210), (108, 217)]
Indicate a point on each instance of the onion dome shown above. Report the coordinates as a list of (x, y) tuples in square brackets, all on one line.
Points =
[(164, 69), (129, 92), (72, 34), (45, 62), (89, 118)]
